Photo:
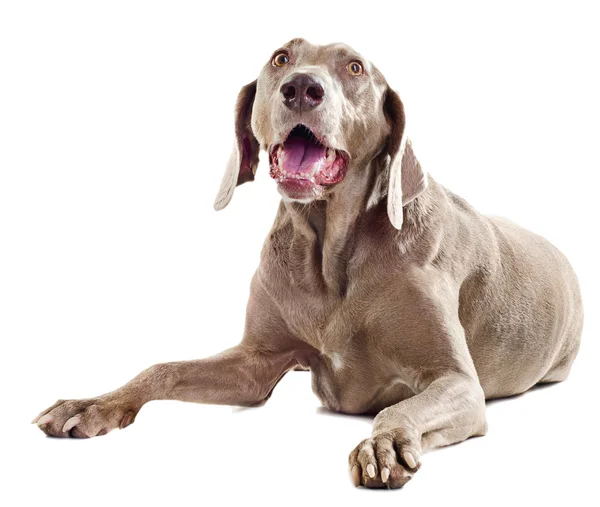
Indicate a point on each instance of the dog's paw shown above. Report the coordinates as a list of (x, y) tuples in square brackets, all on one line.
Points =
[(85, 418), (386, 460)]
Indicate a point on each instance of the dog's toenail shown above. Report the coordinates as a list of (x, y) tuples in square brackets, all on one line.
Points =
[(371, 470), (71, 423), (410, 460), (356, 475), (45, 419), (385, 474), (127, 419)]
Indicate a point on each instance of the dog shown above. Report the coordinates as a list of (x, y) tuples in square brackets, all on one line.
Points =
[(401, 299)]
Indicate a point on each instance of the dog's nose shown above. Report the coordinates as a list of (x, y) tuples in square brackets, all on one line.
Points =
[(302, 92)]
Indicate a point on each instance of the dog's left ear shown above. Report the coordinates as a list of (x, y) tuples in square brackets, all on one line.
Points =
[(243, 160), (406, 179)]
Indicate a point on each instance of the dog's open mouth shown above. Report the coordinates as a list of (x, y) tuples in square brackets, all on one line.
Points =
[(303, 166)]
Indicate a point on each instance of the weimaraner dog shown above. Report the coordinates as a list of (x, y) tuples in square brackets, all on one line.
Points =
[(401, 299)]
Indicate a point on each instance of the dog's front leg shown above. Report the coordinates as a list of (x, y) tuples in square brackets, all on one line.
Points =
[(449, 410), (426, 336), (242, 375)]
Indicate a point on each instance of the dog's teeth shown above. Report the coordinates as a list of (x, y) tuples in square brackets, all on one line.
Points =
[(371, 470), (385, 474), (315, 168)]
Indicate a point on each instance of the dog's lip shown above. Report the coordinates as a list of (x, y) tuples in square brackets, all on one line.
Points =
[(299, 189)]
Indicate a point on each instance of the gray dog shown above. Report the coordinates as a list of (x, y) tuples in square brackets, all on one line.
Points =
[(401, 299)]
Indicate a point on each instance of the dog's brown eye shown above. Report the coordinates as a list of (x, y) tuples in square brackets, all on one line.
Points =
[(355, 68), (279, 60)]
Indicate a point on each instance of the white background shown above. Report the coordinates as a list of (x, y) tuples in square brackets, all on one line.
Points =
[(115, 125)]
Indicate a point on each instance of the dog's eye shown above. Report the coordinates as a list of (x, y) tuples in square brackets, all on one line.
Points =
[(355, 68), (280, 59)]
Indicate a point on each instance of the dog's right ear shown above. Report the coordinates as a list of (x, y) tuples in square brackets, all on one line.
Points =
[(243, 160)]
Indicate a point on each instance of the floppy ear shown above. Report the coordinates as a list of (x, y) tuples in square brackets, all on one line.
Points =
[(406, 179), (243, 160)]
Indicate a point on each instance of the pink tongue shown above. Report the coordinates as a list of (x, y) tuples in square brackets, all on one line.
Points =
[(300, 155)]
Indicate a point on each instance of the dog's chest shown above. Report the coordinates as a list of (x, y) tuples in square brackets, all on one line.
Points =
[(325, 322), (316, 312), (354, 381), (321, 318), (347, 373)]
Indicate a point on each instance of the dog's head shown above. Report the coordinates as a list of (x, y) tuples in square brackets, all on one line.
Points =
[(324, 114)]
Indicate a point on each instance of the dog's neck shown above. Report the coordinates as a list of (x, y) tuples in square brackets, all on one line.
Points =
[(326, 233)]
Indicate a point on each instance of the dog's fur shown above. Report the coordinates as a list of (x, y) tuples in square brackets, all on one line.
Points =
[(401, 298)]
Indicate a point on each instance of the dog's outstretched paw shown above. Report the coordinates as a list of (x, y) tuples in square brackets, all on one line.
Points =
[(85, 418)]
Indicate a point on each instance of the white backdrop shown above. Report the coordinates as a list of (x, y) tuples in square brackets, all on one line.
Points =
[(115, 125)]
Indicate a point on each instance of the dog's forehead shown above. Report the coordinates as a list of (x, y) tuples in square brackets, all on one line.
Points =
[(321, 54)]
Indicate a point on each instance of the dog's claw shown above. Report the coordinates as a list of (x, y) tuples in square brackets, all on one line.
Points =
[(71, 423), (410, 460), (127, 419), (371, 470), (385, 474), (45, 419), (355, 476)]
